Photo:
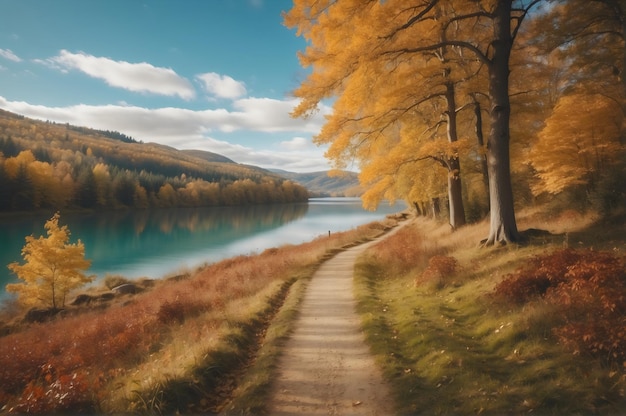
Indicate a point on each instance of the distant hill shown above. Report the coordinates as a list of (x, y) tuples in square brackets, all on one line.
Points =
[(47, 139), (208, 156), (52, 165), (153, 164), (321, 184)]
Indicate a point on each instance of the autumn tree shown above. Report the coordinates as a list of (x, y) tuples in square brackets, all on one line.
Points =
[(582, 143), (589, 44), (505, 19), (381, 96), (379, 50), (52, 267)]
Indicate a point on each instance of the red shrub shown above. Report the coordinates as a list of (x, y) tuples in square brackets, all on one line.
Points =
[(400, 251), (536, 278), (439, 268), (176, 311), (590, 289), (53, 392), (51, 368)]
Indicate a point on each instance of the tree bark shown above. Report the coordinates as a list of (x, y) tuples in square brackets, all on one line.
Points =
[(619, 9), (418, 209), (480, 138), (455, 190), (503, 227), (434, 207)]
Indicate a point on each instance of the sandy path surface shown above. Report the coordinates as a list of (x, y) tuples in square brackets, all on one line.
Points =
[(326, 367)]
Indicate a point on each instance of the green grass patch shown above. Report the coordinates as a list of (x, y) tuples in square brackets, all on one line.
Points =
[(254, 389), (451, 348)]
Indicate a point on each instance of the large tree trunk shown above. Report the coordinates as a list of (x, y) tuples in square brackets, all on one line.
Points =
[(418, 209), (620, 10), (455, 190), (434, 207), (480, 138), (503, 226)]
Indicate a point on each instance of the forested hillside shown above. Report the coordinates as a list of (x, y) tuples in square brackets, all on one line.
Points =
[(48, 165), (326, 184)]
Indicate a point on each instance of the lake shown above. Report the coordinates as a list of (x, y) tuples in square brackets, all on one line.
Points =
[(156, 243)]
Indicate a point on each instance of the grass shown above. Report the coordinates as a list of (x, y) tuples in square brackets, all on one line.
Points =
[(181, 345), (448, 347), (209, 342)]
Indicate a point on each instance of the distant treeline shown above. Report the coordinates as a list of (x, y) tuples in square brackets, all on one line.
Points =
[(43, 165)]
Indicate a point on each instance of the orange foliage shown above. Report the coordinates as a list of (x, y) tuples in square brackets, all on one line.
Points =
[(52, 267), (401, 250), (589, 288), (580, 143), (390, 98)]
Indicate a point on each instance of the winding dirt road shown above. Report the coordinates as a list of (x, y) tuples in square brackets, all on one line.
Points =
[(326, 367)]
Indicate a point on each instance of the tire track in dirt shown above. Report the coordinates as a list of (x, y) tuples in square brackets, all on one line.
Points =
[(326, 367)]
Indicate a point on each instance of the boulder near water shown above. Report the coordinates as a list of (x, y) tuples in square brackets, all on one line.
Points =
[(41, 315), (126, 289)]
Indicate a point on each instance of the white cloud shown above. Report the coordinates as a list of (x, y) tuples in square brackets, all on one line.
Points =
[(138, 77), (222, 86), (271, 115), (190, 129), (289, 161), (310, 161), (8, 54), (259, 115), (297, 143)]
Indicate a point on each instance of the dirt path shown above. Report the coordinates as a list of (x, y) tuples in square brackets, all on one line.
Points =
[(326, 367)]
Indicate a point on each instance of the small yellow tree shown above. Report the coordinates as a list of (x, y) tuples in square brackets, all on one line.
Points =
[(52, 267)]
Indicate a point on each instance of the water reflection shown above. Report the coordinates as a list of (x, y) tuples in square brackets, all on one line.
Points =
[(155, 243), (148, 243)]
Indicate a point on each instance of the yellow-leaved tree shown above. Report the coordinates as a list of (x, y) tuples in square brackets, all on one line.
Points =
[(392, 64), (580, 144), (52, 267)]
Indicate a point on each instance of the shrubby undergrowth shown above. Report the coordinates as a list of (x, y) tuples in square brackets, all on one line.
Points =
[(107, 359), (589, 289), (530, 328)]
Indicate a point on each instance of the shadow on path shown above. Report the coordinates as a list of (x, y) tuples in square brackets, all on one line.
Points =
[(326, 367)]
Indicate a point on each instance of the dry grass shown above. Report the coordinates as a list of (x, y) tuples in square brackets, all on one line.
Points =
[(136, 354)]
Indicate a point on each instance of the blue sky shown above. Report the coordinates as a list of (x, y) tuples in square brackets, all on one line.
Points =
[(214, 75)]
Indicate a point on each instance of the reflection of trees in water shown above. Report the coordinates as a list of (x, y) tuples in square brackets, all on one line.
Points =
[(126, 236), (129, 236), (240, 218)]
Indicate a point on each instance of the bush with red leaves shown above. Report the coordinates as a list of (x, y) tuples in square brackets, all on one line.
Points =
[(439, 268), (54, 392), (589, 287)]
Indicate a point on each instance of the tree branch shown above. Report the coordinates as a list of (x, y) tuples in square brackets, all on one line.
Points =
[(466, 45), (411, 21), (523, 13), (467, 16)]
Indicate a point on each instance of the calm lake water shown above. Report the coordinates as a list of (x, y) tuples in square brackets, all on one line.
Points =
[(155, 243)]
